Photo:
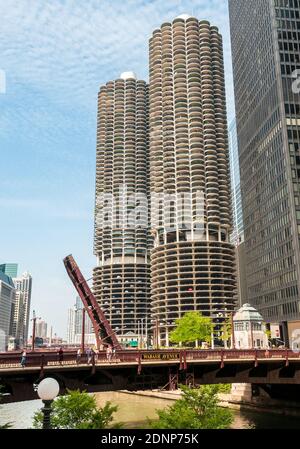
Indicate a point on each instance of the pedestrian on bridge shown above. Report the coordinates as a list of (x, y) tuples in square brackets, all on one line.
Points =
[(60, 356), (23, 359), (109, 353), (89, 355), (78, 356), (114, 354)]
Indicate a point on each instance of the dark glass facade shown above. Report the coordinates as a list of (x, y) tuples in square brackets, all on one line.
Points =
[(265, 37)]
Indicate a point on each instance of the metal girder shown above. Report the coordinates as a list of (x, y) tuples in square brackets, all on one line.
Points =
[(103, 331)]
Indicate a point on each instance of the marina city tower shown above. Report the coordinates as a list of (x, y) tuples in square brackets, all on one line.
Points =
[(193, 261)]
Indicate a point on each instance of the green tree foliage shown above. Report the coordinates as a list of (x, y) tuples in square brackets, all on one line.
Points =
[(192, 327), (226, 330), (268, 334), (197, 409), (78, 410), (225, 388)]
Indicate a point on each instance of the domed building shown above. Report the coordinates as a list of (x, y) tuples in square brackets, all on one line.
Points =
[(249, 329)]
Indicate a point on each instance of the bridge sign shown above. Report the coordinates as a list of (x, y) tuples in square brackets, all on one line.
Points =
[(161, 356)]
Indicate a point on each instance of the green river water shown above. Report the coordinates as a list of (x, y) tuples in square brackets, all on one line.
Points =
[(134, 411)]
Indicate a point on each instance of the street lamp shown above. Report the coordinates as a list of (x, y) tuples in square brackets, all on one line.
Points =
[(47, 390)]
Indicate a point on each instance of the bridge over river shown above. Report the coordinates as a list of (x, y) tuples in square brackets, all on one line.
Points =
[(276, 371)]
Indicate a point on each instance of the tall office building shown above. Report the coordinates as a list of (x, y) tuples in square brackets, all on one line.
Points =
[(41, 329), (265, 38), (193, 261), (237, 236), (122, 239), (21, 309), (7, 294), (71, 325), (75, 321), (10, 269)]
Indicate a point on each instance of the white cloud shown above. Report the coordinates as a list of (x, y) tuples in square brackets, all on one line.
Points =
[(66, 49), (56, 54)]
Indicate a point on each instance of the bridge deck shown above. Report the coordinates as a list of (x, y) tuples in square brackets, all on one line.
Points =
[(223, 357), (58, 367), (141, 370)]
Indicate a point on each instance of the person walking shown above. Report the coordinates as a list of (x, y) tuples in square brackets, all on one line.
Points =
[(114, 356), (89, 355), (23, 359), (60, 355), (108, 353), (78, 356), (93, 356)]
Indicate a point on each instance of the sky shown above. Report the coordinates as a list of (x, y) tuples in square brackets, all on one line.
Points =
[(54, 56)]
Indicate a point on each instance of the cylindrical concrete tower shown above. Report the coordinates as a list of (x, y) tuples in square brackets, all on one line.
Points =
[(122, 238), (193, 263)]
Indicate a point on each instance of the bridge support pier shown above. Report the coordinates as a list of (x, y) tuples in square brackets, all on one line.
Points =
[(241, 392), (273, 398), (173, 381)]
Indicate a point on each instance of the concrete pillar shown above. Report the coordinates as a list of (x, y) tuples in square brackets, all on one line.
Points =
[(241, 392)]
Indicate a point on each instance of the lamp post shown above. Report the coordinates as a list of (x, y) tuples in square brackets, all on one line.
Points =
[(47, 390), (34, 318), (83, 332), (138, 333), (146, 331), (142, 332), (232, 330)]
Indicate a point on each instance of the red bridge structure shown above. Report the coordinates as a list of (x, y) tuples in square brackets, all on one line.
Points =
[(104, 334), (276, 371)]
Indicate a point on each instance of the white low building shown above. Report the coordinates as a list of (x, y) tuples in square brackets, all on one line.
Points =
[(249, 329)]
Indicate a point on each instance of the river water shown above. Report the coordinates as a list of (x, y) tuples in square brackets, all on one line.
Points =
[(134, 411)]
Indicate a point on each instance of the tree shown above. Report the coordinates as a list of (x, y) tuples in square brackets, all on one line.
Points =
[(192, 327), (7, 425), (225, 388), (78, 410), (268, 333), (226, 331), (197, 409)]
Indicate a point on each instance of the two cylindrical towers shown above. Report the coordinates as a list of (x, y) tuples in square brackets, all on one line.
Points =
[(171, 144)]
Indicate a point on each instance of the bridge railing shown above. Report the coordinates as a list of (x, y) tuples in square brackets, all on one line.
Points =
[(69, 358), (36, 359), (239, 354)]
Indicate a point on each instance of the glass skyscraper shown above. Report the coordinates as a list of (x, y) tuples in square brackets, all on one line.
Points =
[(21, 309), (10, 269), (237, 235), (7, 296), (265, 38)]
